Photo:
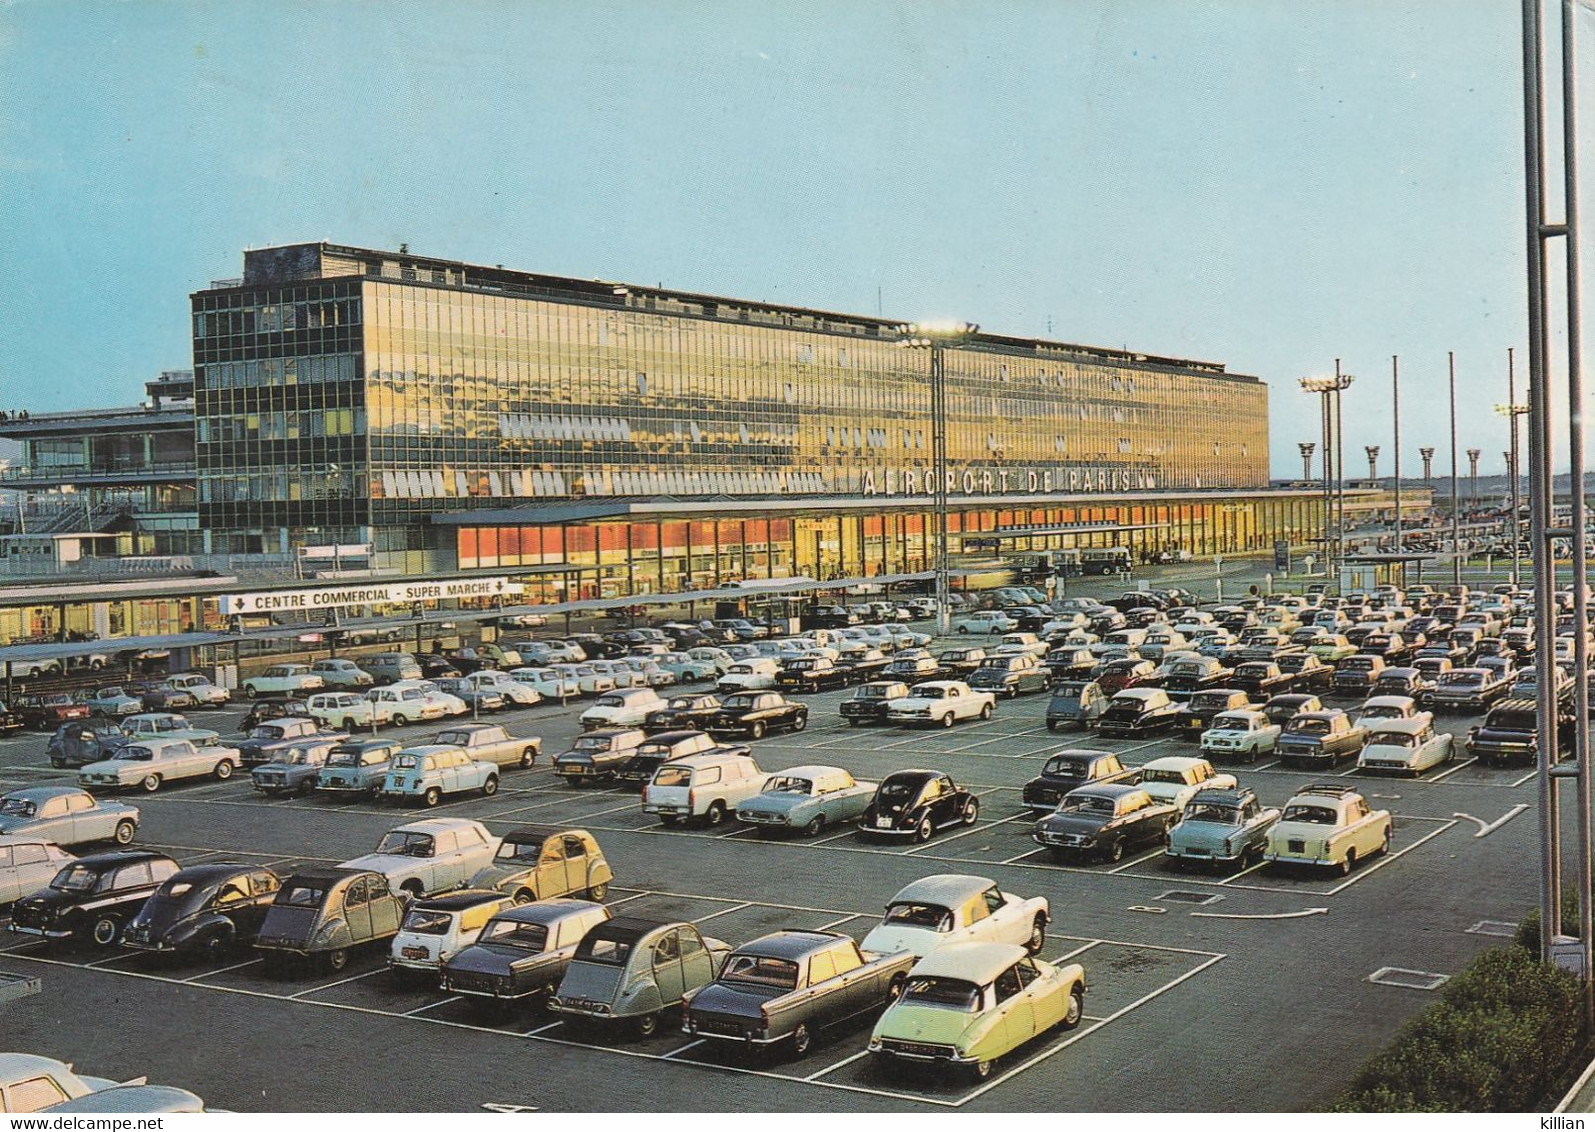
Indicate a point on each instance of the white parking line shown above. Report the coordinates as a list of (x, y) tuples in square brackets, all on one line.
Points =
[(1067, 955), (432, 1005), (117, 958), (1453, 770), (1021, 856), (977, 828), (338, 983), (1525, 778), (540, 1029), (685, 1048), (1237, 876), (724, 911), (221, 970), (834, 923), (1389, 857), (1157, 852)]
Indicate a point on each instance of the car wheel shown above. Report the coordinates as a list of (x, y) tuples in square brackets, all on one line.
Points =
[(802, 1040), (124, 832), (597, 892), (816, 824), (432, 796), (668, 819), (249, 691), (337, 959), (924, 829), (151, 783), (647, 1025), (947, 720), (855, 723), (715, 814), (1075, 1011), (987, 709), (971, 812), (575, 782), (1038, 936), (800, 722), (528, 757), (106, 931), (224, 770), (757, 730), (1052, 725), (1384, 846), (980, 1070), (490, 787), (1348, 862), (1116, 849)]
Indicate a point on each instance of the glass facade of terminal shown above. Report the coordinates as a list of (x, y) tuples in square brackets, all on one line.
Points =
[(350, 396)]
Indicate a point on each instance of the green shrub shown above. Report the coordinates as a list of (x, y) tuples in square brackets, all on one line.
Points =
[(1528, 932), (1503, 1032)]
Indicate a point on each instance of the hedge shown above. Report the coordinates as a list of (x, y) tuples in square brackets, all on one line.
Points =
[(1528, 932), (1504, 1031)]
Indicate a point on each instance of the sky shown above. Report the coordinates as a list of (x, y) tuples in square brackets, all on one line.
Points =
[(1268, 184)]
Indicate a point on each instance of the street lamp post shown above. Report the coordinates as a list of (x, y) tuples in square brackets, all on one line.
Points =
[(1329, 390), (935, 337), (1512, 411), (1395, 414), (1456, 501)]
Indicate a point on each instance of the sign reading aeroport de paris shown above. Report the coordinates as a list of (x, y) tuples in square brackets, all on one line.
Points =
[(390, 593), (922, 481)]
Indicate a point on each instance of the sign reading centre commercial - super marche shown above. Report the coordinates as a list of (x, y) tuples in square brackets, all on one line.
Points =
[(329, 597)]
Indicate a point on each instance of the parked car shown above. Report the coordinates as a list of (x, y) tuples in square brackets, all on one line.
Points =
[(337, 672), (756, 714), (1066, 770), (430, 856), (703, 788), (968, 1004), (44, 713), (1242, 734), (1222, 828), (492, 680), (627, 707), (82, 742), (476, 699), (491, 744), (113, 703), (790, 986), (749, 675), (283, 680), (917, 803), (960, 662), (667, 747), (435, 928), (1510, 733), (296, 770), (27, 862), (357, 767), (348, 711), (807, 799), (1282, 709), (323, 914), (270, 740), (1010, 675), (204, 910), (1075, 703), (66, 815), (597, 756), (1405, 746), (150, 763), (988, 621), (93, 896), (935, 911), (1319, 737), (693, 711), (523, 951), (409, 701), (1469, 688), (1104, 821), (1186, 678), (533, 863), (1356, 674), (264, 711), (427, 773), (628, 971), (872, 702), (1138, 711), (1199, 712), (1330, 826), (29, 1083), (392, 667), (941, 703), (1177, 779), (550, 683), (1117, 675)]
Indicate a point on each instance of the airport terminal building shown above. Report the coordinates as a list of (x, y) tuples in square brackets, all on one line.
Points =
[(604, 439)]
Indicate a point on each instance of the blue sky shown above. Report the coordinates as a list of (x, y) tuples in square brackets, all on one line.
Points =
[(1265, 183)]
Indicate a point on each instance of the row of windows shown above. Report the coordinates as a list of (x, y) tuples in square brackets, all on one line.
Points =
[(271, 372)]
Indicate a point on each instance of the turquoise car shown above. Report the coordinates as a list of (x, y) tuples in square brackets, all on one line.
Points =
[(426, 774), (807, 799), (1221, 828)]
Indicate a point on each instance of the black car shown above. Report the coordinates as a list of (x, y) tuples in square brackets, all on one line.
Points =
[(648, 756), (756, 714), (9, 720), (435, 666), (1104, 821), (204, 909), (1030, 618), (83, 742), (917, 803), (263, 711), (829, 617), (872, 702), (916, 669), (1282, 709), (597, 648), (1403, 682), (1199, 711), (477, 699), (1510, 733), (93, 896), (1310, 673), (691, 712), (164, 697)]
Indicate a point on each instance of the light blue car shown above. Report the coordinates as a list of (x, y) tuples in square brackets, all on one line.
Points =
[(1222, 829), (114, 703), (426, 774), (685, 669), (807, 799)]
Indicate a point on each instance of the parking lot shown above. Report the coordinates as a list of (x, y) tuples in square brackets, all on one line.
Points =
[(1205, 990)]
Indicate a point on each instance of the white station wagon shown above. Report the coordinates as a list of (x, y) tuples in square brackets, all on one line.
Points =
[(346, 711), (282, 680), (984, 621)]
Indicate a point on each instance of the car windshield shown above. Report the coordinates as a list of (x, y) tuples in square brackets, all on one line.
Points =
[(673, 776), (135, 755), (593, 743), (407, 762), (302, 894), (1086, 804), (1396, 739), (266, 733), (1313, 815), (1309, 727), (301, 756), (916, 915), (1212, 812), (1172, 776), (737, 703), (75, 878), (1065, 768), (611, 701), (403, 843), (342, 757), (871, 692), (425, 921), (511, 933), (788, 784), (1384, 711), (599, 949), (519, 850), (952, 994), (900, 790), (929, 692), (18, 807), (1461, 679)]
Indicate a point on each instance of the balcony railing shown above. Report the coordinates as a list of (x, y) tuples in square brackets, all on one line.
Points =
[(66, 472)]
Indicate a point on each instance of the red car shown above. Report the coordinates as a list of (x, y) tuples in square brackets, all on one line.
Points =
[(1118, 675), (46, 713)]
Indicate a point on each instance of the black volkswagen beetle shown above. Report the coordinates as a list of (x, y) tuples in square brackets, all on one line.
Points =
[(916, 803), (204, 909)]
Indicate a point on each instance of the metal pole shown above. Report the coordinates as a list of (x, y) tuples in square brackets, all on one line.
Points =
[(938, 412), (1326, 465), (1575, 455), (1456, 501), (1340, 475), (1539, 479), (1512, 470), (1395, 413)]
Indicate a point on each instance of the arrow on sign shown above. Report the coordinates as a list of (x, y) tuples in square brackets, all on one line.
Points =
[(1262, 915)]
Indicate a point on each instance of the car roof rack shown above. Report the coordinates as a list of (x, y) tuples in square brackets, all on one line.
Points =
[(1334, 788)]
